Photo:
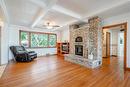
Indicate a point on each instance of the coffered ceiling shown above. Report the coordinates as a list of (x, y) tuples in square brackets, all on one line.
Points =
[(35, 13)]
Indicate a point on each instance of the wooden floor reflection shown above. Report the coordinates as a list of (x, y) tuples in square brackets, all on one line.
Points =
[(53, 71)]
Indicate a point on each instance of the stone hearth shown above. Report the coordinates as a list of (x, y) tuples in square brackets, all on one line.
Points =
[(83, 61)]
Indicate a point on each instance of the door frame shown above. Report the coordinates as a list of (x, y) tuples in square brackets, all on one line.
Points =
[(125, 40)]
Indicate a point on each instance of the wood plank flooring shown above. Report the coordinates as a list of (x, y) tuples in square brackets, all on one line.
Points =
[(53, 71)]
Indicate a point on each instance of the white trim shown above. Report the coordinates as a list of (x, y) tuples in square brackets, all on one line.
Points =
[(52, 5), (4, 9), (44, 12)]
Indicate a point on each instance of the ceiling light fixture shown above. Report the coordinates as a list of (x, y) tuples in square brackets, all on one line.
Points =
[(50, 26)]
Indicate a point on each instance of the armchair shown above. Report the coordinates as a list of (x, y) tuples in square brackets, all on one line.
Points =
[(22, 55)]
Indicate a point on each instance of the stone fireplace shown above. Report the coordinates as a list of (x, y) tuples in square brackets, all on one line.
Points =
[(86, 44), (79, 41)]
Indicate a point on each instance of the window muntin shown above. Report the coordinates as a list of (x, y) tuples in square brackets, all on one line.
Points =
[(37, 40)]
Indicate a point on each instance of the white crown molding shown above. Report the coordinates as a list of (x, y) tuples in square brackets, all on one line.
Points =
[(4, 10)]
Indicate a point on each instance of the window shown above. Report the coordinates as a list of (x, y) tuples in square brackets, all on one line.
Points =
[(39, 40), (34, 39), (24, 39), (52, 40)]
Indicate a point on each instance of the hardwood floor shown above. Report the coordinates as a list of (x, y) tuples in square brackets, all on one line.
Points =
[(55, 72), (2, 68)]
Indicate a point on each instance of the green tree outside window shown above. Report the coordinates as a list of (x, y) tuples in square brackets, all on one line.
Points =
[(24, 39), (52, 40), (39, 40)]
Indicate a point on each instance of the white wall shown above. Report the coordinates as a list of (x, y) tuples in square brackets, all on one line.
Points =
[(121, 46), (14, 40), (4, 43), (65, 34), (114, 41), (104, 42), (120, 19)]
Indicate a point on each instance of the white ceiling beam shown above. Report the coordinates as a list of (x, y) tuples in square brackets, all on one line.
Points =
[(73, 14), (47, 6), (66, 11), (39, 18), (55, 7), (4, 10)]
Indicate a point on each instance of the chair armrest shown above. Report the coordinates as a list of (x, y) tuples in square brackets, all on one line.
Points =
[(22, 54), (31, 51)]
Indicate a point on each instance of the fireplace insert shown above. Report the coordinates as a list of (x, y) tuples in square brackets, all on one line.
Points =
[(79, 50)]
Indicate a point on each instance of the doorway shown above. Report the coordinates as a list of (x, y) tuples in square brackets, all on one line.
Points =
[(108, 36), (115, 47)]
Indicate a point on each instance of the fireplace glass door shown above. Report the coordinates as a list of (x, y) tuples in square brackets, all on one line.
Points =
[(79, 50)]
